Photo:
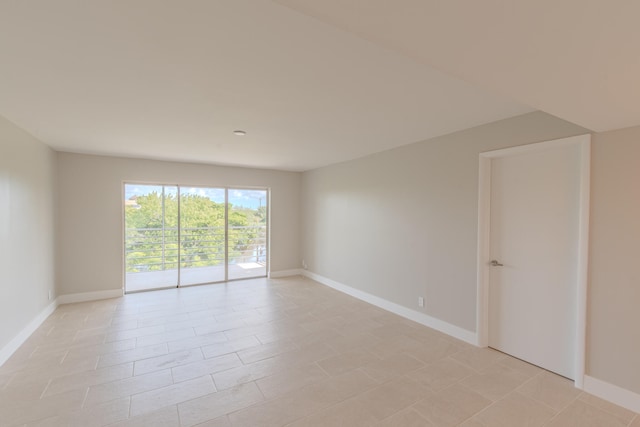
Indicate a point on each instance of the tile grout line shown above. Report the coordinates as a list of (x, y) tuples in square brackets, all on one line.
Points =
[(84, 398), (130, 405), (557, 411), (46, 388), (563, 409), (64, 357), (603, 409), (492, 401)]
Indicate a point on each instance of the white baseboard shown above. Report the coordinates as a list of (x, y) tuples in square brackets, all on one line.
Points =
[(89, 296), (285, 273), (25, 333), (614, 394), (407, 313)]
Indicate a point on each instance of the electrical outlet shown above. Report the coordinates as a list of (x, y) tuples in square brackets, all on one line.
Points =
[(304, 264), (50, 295), (420, 301)]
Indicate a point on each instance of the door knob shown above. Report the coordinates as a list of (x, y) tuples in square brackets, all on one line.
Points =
[(495, 263)]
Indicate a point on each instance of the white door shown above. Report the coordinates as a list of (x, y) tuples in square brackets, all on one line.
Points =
[(534, 234)]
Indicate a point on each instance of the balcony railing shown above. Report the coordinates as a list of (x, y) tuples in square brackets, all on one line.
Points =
[(160, 249)]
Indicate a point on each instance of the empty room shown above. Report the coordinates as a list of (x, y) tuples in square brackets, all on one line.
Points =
[(319, 213)]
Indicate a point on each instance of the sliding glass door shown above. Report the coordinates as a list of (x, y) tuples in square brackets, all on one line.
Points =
[(181, 236), (247, 244), (202, 235), (151, 237)]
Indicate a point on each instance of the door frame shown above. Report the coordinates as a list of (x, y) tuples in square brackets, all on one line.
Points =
[(484, 243)]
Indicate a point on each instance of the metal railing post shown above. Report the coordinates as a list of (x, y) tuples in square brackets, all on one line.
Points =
[(163, 231)]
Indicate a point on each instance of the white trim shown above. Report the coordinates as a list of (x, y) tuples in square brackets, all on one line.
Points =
[(536, 146), (89, 296), (484, 225), (424, 319), (583, 263), (614, 394), (285, 273), (25, 333)]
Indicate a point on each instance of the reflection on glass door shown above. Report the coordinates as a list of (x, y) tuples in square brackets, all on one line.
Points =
[(202, 235), (181, 236), (151, 237), (247, 243)]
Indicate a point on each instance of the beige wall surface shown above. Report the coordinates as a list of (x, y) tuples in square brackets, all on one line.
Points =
[(27, 209), (90, 212), (613, 337), (404, 223)]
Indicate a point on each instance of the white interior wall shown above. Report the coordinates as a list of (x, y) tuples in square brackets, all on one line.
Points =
[(404, 223), (27, 258), (90, 212), (613, 338)]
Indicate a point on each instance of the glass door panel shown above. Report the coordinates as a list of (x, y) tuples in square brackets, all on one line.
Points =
[(247, 228), (151, 237), (202, 235)]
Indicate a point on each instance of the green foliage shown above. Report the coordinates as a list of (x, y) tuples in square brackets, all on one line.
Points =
[(152, 238)]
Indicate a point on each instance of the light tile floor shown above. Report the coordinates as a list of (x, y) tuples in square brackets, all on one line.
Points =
[(285, 352)]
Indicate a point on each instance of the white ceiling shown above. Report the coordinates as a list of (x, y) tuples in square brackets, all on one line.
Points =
[(312, 82), (575, 59)]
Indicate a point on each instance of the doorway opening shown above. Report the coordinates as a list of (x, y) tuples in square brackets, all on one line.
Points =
[(177, 236)]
